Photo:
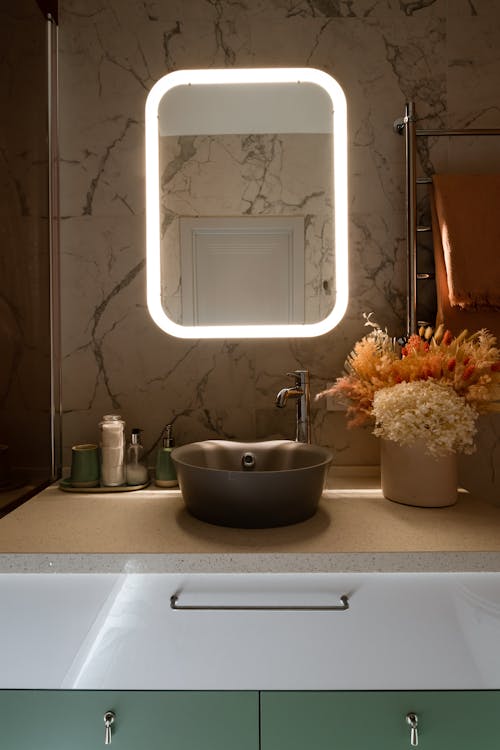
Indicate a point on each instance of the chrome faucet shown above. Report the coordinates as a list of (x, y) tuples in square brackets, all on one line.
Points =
[(300, 392)]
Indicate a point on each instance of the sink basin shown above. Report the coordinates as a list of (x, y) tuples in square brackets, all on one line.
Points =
[(251, 485)]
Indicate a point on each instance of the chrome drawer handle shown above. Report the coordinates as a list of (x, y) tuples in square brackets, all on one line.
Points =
[(174, 604), (109, 718), (412, 721)]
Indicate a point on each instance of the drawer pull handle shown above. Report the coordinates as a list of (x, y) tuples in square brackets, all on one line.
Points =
[(174, 604), (412, 721), (109, 718)]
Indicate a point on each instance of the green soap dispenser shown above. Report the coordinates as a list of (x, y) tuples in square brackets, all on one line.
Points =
[(166, 475)]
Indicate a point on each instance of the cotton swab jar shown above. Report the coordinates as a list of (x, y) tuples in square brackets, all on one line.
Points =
[(112, 450)]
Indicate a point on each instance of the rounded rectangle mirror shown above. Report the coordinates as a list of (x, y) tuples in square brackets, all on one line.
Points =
[(246, 203)]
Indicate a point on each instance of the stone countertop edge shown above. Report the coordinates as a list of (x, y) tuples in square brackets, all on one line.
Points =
[(239, 563)]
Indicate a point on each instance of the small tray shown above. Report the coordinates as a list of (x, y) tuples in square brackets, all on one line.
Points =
[(65, 484)]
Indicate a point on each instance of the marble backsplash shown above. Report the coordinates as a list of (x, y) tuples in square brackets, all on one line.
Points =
[(442, 55)]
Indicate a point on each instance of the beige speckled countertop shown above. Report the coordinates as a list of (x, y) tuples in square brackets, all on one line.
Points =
[(355, 528)]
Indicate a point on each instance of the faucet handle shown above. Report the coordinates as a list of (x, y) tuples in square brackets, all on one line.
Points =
[(301, 378)]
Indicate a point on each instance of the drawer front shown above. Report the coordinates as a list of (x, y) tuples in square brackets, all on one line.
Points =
[(150, 720), (119, 632), (449, 720), (219, 720)]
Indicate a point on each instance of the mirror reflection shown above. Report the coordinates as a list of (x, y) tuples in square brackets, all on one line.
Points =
[(246, 190)]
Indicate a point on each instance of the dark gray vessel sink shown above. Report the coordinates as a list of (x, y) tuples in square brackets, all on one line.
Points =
[(251, 485)]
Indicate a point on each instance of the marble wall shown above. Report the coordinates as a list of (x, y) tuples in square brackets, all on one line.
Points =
[(443, 55)]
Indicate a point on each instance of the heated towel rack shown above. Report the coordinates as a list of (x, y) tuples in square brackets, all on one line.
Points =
[(406, 126)]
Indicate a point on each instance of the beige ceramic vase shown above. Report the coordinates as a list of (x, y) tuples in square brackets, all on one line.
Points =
[(413, 477)]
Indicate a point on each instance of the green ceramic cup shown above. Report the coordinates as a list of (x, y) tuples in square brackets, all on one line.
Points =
[(85, 465)]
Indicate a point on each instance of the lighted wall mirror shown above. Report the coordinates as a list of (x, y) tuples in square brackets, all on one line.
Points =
[(246, 203)]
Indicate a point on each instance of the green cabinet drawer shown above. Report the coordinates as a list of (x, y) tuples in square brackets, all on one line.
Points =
[(144, 720), (220, 720), (458, 720)]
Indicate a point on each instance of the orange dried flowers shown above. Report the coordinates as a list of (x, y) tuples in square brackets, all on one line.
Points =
[(469, 364)]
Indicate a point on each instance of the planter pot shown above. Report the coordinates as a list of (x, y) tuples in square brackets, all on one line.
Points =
[(412, 477)]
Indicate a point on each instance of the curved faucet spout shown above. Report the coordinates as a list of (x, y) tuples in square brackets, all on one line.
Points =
[(286, 393)]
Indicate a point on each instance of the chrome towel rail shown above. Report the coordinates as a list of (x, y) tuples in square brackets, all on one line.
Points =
[(406, 126), (458, 131), (174, 604)]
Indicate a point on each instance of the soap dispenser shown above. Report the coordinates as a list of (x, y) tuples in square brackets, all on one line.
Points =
[(136, 470), (166, 475)]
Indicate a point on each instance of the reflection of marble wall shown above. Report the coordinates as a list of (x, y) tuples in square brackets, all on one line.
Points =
[(25, 365), (285, 174), (442, 55)]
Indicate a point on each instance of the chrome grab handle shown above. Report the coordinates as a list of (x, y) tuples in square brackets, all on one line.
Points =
[(412, 721), (174, 604), (109, 718)]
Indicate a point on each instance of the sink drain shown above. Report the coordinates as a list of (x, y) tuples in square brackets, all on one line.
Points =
[(248, 461)]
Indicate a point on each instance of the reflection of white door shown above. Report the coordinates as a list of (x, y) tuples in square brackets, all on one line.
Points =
[(242, 270)]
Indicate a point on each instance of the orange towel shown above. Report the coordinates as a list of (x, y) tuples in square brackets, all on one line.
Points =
[(455, 318), (468, 214)]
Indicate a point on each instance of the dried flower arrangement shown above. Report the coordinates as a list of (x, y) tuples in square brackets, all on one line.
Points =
[(432, 388)]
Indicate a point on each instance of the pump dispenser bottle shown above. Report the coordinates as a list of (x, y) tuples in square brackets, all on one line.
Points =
[(136, 470), (166, 475)]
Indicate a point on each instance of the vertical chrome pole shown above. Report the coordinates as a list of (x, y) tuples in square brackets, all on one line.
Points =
[(411, 218), (303, 430), (53, 222)]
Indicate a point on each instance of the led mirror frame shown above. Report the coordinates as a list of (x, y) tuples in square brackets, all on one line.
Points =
[(153, 263)]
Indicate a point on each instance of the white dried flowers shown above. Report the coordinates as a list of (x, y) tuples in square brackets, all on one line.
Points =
[(428, 411)]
